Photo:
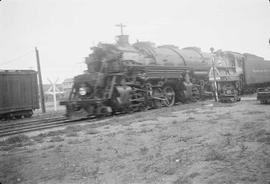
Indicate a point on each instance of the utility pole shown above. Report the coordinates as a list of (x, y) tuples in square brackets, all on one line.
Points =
[(214, 74), (121, 27), (41, 92)]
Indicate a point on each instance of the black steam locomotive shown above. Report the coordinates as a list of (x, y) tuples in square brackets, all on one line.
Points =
[(123, 78)]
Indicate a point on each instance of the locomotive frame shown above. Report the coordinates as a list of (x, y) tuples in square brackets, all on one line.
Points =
[(136, 89)]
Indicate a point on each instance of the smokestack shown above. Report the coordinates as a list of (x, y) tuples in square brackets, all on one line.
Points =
[(123, 40)]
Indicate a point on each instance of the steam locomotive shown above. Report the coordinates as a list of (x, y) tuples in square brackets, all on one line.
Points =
[(125, 78)]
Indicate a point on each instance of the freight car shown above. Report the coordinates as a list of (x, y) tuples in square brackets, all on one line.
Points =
[(257, 76), (18, 94), (123, 77), (256, 72)]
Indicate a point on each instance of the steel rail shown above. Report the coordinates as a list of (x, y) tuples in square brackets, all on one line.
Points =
[(26, 123), (41, 126), (55, 124)]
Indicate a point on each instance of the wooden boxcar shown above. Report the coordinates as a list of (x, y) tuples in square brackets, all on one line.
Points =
[(18, 93)]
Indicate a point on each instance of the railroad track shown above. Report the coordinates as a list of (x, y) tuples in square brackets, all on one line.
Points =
[(13, 128), (17, 123), (48, 123), (35, 125)]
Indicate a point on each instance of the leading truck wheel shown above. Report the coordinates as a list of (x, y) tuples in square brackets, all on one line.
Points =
[(169, 95)]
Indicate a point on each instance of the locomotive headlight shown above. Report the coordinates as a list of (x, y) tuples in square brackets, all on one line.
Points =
[(82, 91)]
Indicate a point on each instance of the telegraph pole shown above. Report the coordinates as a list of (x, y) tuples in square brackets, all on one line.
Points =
[(40, 82), (121, 27)]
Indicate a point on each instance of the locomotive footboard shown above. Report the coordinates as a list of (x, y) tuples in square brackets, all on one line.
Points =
[(86, 108)]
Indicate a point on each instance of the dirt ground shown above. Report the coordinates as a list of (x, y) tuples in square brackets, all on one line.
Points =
[(203, 142)]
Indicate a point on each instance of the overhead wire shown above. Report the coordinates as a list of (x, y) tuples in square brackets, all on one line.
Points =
[(16, 58)]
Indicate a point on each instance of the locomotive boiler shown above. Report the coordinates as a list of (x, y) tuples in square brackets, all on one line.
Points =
[(123, 78)]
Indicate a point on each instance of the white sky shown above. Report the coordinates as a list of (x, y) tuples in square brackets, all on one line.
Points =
[(64, 30)]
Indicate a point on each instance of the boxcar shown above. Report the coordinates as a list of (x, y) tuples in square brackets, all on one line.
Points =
[(18, 93), (256, 71)]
